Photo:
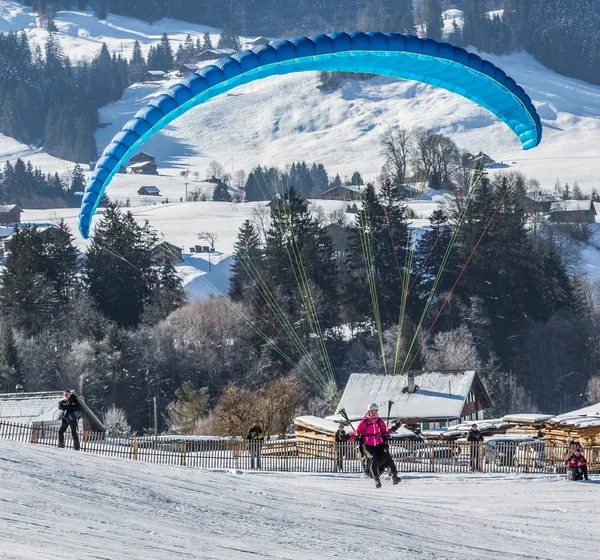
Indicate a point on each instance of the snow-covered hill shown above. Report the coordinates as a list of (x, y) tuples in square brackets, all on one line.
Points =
[(287, 118), (58, 504)]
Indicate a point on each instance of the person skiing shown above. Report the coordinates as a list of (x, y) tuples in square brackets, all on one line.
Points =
[(341, 437), (577, 465), (255, 437), (474, 438), (71, 412), (373, 433)]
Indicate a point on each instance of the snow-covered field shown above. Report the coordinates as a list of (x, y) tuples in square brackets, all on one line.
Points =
[(57, 504)]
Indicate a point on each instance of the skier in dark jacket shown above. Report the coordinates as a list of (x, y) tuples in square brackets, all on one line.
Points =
[(255, 437), (341, 437), (474, 438), (577, 464), (71, 412)]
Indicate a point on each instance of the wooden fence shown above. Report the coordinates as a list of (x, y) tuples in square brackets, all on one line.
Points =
[(301, 456)]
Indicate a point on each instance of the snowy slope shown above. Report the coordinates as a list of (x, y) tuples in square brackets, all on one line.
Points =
[(58, 504)]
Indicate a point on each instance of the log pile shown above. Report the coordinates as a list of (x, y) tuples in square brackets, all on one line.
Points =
[(584, 431), (526, 425)]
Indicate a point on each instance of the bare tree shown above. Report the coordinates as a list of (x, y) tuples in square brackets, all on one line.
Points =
[(592, 390), (397, 148), (216, 170), (209, 237), (239, 179), (437, 159), (452, 350)]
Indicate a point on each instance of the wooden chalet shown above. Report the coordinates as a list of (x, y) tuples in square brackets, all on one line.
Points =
[(573, 211), (41, 409), (214, 54), (425, 400), (259, 41), (344, 192), (10, 215), (142, 157), (143, 168), (272, 203), (149, 191), (187, 69), (539, 202), (155, 75), (168, 252)]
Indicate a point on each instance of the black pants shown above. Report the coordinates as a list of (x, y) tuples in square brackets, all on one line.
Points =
[(579, 473), (63, 429), (475, 463), (339, 456), (255, 455), (380, 457)]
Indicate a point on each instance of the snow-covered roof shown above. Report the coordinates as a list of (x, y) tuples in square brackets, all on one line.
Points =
[(190, 66), (157, 73), (26, 408), (321, 424), (9, 208), (527, 418), (570, 205), (439, 395), (141, 164), (588, 416), (148, 189)]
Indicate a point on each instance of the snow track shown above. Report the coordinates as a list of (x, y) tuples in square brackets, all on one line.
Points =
[(57, 503)]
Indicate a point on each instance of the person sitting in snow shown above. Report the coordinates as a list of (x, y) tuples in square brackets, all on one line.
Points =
[(373, 433), (577, 465), (71, 412), (341, 437)]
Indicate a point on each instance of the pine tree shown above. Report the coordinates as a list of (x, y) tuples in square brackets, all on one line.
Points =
[(221, 192), (247, 263), (207, 43), (356, 179), (137, 66), (229, 40), (190, 406)]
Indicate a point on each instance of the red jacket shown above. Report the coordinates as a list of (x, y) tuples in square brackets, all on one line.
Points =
[(372, 430), (575, 462)]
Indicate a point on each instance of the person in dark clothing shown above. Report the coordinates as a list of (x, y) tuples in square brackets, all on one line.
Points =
[(71, 412), (474, 438), (255, 437), (341, 437), (373, 434), (577, 465)]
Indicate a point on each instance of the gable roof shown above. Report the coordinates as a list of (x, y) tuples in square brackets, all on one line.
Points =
[(25, 408), (189, 66), (147, 188), (439, 395), (571, 206), (142, 164), (5, 208)]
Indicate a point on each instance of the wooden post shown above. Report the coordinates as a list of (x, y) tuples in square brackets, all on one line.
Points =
[(432, 458), (183, 454), (334, 455), (236, 455), (84, 440), (135, 449)]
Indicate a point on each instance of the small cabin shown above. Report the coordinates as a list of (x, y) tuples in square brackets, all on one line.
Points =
[(259, 41), (573, 211), (539, 202), (344, 192), (214, 54), (152, 75), (187, 69), (149, 191), (10, 215), (167, 252), (143, 168)]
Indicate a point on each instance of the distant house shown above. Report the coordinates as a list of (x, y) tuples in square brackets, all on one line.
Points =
[(259, 41), (344, 192), (47, 231), (428, 399), (539, 202), (168, 252), (483, 159), (271, 204), (143, 168), (214, 54), (149, 191), (41, 409), (155, 75), (141, 157), (187, 69), (10, 214), (573, 211)]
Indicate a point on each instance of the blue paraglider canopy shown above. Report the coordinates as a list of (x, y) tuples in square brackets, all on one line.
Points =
[(392, 54)]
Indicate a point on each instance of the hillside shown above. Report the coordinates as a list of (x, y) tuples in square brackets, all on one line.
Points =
[(287, 118), (95, 507)]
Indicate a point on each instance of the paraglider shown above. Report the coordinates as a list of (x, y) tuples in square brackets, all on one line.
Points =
[(393, 54)]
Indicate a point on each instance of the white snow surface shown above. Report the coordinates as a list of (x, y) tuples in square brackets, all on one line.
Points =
[(103, 508)]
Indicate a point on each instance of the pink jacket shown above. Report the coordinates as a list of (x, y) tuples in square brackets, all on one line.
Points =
[(372, 430)]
